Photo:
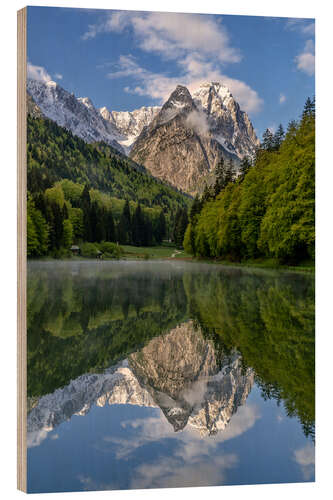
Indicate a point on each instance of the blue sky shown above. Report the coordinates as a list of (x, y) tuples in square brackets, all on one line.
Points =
[(124, 60)]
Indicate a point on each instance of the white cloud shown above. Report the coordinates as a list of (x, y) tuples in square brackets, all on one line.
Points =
[(305, 457), (58, 76), (194, 70), (306, 60), (189, 444), (194, 461), (303, 26), (282, 98), (171, 35), (197, 121), (197, 43), (309, 29), (37, 73), (172, 473)]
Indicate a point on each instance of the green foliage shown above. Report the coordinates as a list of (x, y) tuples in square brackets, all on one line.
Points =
[(181, 221), (89, 250), (269, 319), (111, 250), (32, 240), (37, 232), (55, 195), (85, 322), (76, 218), (268, 140), (54, 154), (270, 210), (125, 225), (86, 185), (67, 233)]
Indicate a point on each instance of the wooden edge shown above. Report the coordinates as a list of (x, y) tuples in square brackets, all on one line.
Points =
[(21, 250)]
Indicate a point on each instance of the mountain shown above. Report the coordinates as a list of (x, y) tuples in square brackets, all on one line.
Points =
[(177, 372), (76, 114), (228, 124), (190, 134), (185, 378), (180, 142), (130, 123), (32, 108), (100, 166)]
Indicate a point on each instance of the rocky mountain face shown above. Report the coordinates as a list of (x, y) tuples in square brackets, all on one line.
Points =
[(32, 108), (177, 372), (190, 134), (181, 373), (76, 114), (180, 142), (227, 123), (130, 123)]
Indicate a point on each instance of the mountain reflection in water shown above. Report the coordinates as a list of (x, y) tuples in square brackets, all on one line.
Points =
[(177, 372), (125, 356)]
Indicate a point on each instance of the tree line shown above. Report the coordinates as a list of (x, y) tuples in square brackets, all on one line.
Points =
[(268, 210), (54, 223), (79, 192), (54, 154)]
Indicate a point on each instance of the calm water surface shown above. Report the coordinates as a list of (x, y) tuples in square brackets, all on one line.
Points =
[(166, 374)]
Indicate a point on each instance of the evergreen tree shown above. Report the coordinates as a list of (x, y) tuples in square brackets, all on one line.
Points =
[(223, 175), (268, 140), (195, 208), (101, 226), (160, 229), (65, 211), (219, 177), (93, 220), (57, 225), (147, 232), (244, 167), (85, 205), (110, 227), (138, 226), (309, 108), (229, 173), (278, 137), (125, 225), (207, 195), (181, 223)]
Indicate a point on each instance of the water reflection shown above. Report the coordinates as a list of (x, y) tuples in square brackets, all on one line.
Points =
[(177, 372), (180, 358)]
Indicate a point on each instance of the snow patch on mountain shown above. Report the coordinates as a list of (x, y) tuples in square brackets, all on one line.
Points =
[(228, 124), (211, 110), (129, 124), (76, 114)]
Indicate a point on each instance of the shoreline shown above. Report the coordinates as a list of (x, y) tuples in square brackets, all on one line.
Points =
[(269, 265)]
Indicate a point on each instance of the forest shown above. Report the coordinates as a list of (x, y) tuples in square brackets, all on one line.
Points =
[(268, 211), (90, 193)]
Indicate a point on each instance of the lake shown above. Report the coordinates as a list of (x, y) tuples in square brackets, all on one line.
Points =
[(168, 374)]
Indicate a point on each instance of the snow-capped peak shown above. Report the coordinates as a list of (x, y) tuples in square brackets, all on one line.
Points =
[(51, 83), (76, 114), (130, 123), (210, 91), (86, 101)]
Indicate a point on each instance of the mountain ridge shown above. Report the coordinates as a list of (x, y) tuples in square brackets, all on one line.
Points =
[(180, 142)]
